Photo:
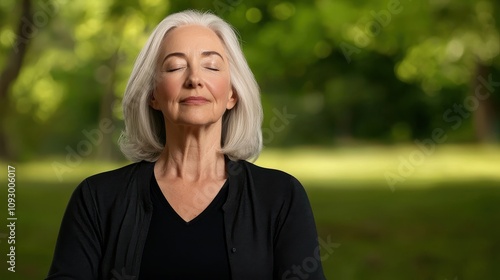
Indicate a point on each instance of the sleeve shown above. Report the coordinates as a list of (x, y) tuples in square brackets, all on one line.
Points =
[(296, 252), (78, 250)]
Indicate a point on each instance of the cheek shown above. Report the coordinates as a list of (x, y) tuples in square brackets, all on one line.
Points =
[(167, 89), (220, 87)]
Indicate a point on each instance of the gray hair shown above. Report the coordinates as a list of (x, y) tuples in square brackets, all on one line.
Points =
[(144, 134)]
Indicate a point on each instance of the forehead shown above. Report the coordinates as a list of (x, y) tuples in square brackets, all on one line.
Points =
[(188, 38)]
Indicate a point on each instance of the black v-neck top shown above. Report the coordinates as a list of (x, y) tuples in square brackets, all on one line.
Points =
[(268, 224), (180, 250)]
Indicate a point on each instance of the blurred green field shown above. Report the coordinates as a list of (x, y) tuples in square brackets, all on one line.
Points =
[(442, 222)]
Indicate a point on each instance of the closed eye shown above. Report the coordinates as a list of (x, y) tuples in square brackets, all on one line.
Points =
[(174, 69), (212, 68)]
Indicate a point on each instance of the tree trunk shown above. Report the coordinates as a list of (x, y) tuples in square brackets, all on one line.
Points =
[(106, 148), (484, 115), (11, 72)]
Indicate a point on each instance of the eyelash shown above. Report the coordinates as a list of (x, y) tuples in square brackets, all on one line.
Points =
[(175, 69)]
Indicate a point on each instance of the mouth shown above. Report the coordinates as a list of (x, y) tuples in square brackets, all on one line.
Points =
[(194, 100)]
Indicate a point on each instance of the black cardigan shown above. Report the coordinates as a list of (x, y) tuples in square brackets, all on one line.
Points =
[(269, 225)]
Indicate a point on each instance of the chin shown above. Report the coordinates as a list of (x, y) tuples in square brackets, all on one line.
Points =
[(196, 121)]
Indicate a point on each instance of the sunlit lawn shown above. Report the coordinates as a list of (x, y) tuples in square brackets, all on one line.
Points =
[(441, 222)]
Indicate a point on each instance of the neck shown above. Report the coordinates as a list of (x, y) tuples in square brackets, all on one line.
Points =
[(192, 154)]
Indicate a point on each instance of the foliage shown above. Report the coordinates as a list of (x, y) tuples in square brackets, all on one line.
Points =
[(383, 70)]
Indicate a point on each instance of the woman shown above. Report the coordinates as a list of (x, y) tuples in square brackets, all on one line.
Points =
[(191, 206)]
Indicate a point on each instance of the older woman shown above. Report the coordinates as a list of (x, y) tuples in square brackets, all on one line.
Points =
[(191, 206)]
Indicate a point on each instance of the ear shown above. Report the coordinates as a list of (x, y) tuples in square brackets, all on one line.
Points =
[(153, 102), (233, 99)]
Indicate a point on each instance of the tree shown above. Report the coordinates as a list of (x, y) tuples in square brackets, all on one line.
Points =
[(12, 68), (380, 70)]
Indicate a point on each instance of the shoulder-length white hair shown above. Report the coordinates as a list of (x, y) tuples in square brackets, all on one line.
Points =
[(144, 134)]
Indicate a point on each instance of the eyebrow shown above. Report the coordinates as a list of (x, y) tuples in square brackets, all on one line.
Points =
[(183, 55)]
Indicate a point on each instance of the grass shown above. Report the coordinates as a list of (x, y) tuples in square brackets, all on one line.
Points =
[(429, 226), (434, 233)]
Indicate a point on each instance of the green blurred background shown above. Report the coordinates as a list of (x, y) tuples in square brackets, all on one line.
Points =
[(386, 110)]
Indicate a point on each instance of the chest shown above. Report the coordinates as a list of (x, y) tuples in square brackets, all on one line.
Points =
[(189, 201), (176, 249)]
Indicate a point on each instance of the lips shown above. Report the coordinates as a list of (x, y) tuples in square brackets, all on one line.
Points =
[(194, 100)]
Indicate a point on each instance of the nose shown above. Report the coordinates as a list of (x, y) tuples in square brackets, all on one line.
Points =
[(193, 80)]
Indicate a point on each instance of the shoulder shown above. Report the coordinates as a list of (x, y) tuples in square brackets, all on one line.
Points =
[(122, 187), (272, 181), (271, 174), (274, 190), (119, 174), (118, 179)]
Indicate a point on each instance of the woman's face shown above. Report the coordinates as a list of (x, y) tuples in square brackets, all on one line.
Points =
[(193, 86)]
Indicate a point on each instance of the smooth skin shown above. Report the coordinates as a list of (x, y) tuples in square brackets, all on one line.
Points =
[(193, 90)]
